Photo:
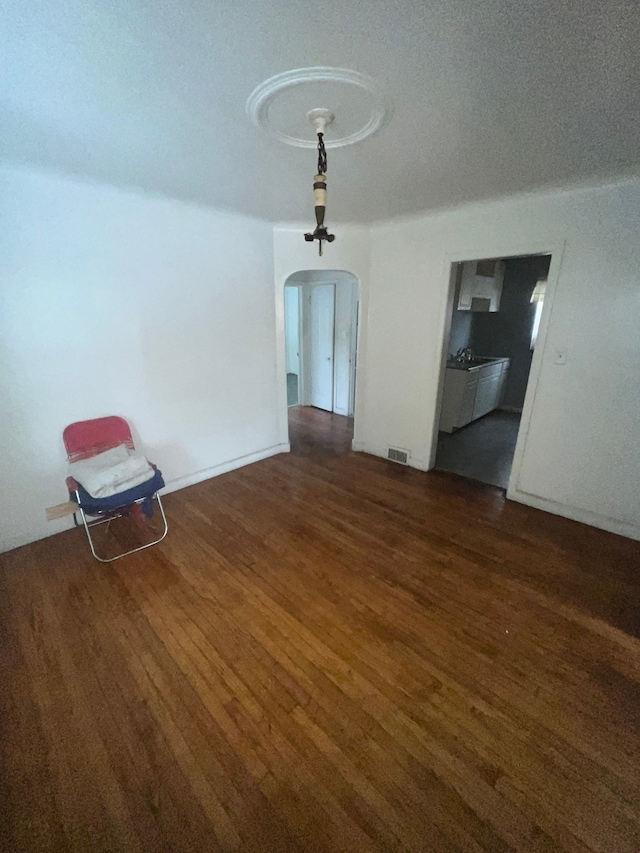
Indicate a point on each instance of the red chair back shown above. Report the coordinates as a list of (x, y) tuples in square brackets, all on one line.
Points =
[(85, 439)]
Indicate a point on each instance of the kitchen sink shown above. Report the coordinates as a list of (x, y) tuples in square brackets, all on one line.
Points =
[(474, 361)]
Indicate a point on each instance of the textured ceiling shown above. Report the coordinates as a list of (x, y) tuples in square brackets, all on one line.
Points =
[(489, 97)]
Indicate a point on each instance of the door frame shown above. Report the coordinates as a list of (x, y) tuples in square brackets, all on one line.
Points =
[(353, 354), (300, 353), (521, 250)]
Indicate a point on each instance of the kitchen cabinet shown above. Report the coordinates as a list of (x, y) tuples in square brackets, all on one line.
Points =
[(465, 412), (488, 390), (471, 392), (480, 285)]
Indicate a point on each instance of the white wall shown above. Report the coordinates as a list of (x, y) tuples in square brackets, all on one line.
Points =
[(349, 252), (581, 456), (117, 303), (113, 302)]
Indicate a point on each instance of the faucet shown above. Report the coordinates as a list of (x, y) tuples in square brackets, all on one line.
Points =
[(463, 354)]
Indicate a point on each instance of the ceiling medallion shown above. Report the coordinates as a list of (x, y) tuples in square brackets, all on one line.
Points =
[(267, 105)]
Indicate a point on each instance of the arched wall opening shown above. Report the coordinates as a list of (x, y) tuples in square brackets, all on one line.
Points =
[(320, 340)]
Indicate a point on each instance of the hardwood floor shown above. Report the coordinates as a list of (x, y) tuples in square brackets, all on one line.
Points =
[(329, 652)]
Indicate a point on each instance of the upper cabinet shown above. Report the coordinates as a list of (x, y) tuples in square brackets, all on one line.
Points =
[(480, 285)]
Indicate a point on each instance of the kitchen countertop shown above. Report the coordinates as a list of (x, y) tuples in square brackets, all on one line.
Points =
[(462, 365)]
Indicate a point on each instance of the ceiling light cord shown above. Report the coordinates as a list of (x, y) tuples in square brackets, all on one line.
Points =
[(322, 155), (320, 197)]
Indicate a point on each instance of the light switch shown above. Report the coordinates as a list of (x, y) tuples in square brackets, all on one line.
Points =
[(560, 356)]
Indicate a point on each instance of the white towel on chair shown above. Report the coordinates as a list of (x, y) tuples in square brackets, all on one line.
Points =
[(111, 472)]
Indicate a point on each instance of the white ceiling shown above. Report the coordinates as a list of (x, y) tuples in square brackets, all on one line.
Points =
[(490, 97)]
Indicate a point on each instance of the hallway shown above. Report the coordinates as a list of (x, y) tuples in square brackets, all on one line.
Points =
[(319, 434)]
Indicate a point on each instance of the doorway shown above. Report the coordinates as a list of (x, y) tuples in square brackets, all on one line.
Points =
[(321, 342), (492, 335)]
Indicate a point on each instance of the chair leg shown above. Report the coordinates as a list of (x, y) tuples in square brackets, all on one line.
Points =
[(133, 550)]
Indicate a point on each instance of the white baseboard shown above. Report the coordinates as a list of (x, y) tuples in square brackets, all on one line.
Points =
[(594, 519), (224, 467), (622, 528), (612, 525), (364, 447), (16, 540)]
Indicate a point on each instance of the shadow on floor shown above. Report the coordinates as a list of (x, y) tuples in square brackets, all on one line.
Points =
[(483, 450)]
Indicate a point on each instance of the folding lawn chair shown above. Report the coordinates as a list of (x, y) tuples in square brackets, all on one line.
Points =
[(86, 439)]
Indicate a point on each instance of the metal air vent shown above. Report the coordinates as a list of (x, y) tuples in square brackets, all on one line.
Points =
[(398, 455)]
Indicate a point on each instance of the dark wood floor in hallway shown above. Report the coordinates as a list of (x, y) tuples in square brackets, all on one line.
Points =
[(329, 652)]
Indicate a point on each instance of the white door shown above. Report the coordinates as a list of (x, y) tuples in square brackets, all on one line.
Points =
[(321, 329)]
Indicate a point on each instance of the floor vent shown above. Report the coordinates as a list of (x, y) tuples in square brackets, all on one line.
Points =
[(397, 455)]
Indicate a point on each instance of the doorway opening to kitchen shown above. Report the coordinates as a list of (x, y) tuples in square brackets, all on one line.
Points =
[(495, 319)]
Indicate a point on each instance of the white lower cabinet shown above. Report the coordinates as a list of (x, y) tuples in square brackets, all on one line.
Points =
[(466, 410), (488, 390), (471, 393)]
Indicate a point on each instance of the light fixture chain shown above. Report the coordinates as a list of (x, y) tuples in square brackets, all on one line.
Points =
[(322, 155), (320, 198)]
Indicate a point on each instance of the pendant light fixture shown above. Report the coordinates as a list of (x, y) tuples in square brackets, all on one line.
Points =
[(275, 107), (320, 119)]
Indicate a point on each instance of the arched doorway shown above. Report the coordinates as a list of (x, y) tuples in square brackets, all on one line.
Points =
[(321, 312)]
